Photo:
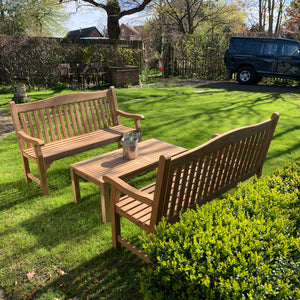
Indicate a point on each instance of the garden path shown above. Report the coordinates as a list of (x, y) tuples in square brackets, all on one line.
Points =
[(6, 124)]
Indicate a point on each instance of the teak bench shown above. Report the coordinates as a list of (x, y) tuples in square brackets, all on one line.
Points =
[(190, 179), (65, 125)]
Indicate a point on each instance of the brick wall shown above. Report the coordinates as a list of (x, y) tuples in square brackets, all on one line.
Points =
[(124, 76)]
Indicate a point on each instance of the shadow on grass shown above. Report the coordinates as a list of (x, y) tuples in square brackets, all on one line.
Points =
[(259, 88), (19, 191), (64, 223), (110, 275)]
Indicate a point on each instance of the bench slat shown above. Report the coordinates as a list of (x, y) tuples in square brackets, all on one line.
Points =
[(37, 125), (112, 114), (260, 138), (58, 135), (92, 106), (78, 118), (30, 123), (191, 184), (221, 164), (83, 117), (49, 123), (102, 108), (106, 111), (88, 117), (25, 129), (73, 120), (44, 126), (98, 114), (67, 120), (253, 152), (61, 120)]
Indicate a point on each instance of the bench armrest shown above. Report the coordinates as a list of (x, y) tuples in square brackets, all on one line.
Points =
[(29, 139), (128, 115), (137, 119), (129, 190)]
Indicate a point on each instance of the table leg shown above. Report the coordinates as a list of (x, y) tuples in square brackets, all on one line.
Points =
[(75, 186), (105, 201)]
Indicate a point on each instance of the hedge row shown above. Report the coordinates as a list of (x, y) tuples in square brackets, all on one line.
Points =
[(38, 57), (243, 247)]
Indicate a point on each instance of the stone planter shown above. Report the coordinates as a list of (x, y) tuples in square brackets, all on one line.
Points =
[(21, 95)]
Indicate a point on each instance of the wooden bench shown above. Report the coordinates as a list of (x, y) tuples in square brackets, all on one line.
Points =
[(190, 179), (65, 125)]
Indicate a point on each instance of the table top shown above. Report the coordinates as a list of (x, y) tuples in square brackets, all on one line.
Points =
[(149, 151)]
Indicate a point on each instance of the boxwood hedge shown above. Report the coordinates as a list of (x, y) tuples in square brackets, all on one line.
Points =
[(245, 246)]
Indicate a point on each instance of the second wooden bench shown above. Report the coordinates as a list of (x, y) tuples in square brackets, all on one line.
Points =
[(190, 179)]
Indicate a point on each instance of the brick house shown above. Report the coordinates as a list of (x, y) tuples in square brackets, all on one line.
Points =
[(90, 32), (129, 33)]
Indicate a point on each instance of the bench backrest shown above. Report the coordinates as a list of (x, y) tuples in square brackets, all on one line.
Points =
[(205, 172), (67, 115)]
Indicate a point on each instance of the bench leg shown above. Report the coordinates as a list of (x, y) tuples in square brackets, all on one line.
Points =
[(75, 186), (26, 168), (105, 202), (115, 221), (43, 177)]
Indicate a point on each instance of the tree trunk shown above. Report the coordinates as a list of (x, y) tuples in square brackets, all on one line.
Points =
[(271, 5), (113, 11), (279, 19), (260, 17), (113, 27)]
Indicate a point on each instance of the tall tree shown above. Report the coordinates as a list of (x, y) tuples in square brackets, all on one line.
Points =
[(266, 16), (115, 10), (291, 28), (31, 17), (189, 14)]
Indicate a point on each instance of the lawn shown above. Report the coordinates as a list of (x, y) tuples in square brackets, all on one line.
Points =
[(52, 248)]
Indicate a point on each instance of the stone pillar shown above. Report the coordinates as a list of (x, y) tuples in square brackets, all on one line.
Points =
[(21, 95)]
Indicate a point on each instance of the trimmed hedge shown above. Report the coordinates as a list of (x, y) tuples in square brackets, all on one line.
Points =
[(243, 247), (38, 57)]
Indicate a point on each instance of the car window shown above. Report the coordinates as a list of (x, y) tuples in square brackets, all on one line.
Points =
[(290, 50), (269, 49), (245, 47)]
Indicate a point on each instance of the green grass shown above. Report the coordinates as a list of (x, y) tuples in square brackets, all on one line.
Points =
[(46, 234)]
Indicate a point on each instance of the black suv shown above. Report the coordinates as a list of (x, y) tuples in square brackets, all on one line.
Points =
[(253, 58)]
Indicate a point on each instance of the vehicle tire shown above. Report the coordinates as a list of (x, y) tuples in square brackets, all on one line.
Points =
[(246, 75)]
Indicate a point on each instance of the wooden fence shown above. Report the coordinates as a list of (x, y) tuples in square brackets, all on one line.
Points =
[(209, 65), (206, 68)]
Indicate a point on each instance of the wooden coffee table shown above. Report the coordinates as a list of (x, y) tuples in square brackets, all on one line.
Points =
[(95, 168)]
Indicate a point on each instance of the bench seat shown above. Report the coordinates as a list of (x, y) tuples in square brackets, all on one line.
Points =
[(77, 144)]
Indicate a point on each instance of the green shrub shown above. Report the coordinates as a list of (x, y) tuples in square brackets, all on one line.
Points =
[(60, 86), (9, 89), (243, 247)]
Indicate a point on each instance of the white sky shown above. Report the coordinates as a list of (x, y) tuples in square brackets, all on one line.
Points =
[(91, 16)]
